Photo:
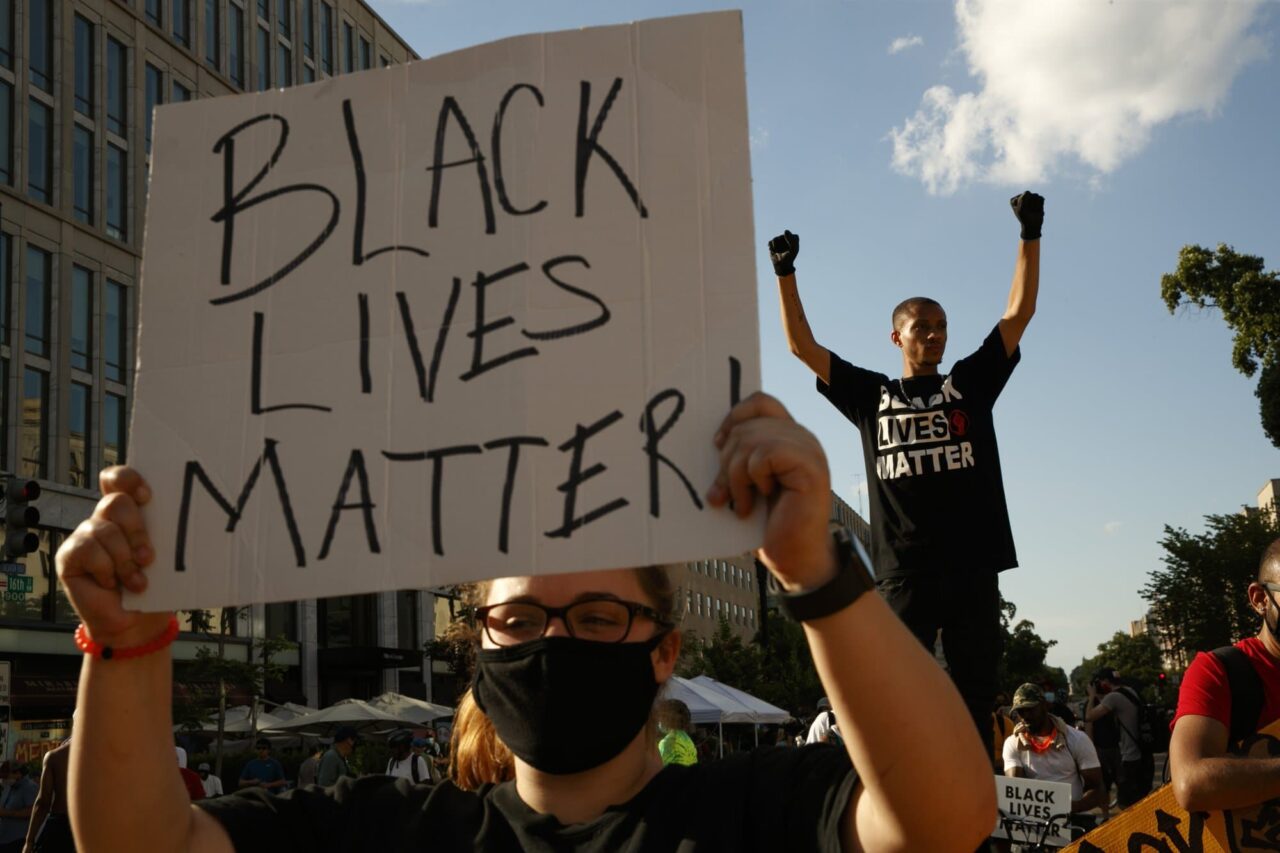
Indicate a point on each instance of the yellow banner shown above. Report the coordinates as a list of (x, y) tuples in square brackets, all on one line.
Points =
[(1159, 825)]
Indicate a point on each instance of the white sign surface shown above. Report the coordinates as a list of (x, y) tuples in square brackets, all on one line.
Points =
[(1027, 805), (462, 318)]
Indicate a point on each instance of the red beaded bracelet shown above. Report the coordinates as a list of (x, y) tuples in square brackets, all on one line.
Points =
[(89, 646)]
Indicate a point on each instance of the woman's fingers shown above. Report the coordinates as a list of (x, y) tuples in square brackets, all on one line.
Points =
[(126, 480)]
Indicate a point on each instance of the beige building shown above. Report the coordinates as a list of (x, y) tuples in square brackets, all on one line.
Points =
[(78, 81)]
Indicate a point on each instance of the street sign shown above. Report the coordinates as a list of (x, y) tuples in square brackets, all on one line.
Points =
[(13, 568)]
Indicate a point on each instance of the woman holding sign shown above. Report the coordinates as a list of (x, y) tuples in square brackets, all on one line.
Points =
[(567, 674)]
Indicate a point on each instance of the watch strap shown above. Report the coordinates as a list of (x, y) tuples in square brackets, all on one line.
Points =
[(853, 578)]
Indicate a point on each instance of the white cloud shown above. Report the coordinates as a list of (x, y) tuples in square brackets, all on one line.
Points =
[(759, 138), (1111, 528), (1072, 81), (901, 43)]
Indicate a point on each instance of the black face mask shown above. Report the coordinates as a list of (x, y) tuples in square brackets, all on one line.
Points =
[(565, 705)]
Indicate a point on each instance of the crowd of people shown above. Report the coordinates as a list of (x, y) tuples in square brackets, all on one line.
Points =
[(564, 742)]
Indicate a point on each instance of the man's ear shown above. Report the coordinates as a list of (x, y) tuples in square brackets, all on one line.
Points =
[(1258, 598), (896, 338)]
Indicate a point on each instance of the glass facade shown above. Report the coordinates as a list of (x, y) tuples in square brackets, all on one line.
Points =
[(40, 151), (84, 67), (117, 87)]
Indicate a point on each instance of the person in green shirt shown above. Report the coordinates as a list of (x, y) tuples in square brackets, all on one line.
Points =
[(676, 747), (333, 766)]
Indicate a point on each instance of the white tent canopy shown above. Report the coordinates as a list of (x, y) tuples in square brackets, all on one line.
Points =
[(420, 711), (761, 710), (703, 709)]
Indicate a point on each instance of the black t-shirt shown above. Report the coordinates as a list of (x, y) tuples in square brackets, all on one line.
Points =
[(937, 497), (773, 798)]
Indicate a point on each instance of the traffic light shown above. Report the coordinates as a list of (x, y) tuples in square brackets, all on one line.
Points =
[(19, 516)]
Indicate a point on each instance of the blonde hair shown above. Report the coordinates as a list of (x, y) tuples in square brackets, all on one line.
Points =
[(476, 754)]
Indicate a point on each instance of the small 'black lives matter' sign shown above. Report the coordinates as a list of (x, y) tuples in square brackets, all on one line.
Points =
[(473, 316)]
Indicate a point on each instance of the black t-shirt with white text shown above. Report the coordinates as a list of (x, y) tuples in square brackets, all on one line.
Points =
[(772, 798), (937, 496)]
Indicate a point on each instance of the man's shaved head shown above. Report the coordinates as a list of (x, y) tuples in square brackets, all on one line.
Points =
[(1269, 568), (908, 307)]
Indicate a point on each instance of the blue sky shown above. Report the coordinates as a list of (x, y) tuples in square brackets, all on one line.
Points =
[(1146, 125)]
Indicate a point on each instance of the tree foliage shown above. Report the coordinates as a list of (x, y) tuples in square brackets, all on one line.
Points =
[(1024, 654), (1137, 659), (1249, 298), (775, 666), (1199, 599)]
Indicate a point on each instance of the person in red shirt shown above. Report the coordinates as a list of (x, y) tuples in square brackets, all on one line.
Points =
[(1204, 776), (190, 778)]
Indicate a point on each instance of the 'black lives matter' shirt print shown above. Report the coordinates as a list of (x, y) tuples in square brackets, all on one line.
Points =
[(936, 494)]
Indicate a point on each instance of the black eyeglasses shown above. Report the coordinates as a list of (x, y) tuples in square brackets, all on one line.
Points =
[(600, 620)]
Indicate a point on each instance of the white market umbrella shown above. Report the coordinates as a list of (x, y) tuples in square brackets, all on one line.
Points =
[(356, 713), (420, 711)]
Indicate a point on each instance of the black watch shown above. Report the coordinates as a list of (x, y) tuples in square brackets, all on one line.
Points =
[(854, 576)]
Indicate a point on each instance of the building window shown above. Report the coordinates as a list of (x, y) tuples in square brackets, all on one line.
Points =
[(114, 331), (6, 133), (264, 60), (6, 33), (284, 19), (348, 620), (39, 273), (308, 74), (348, 48), (182, 22), (6, 279), (39, 151), (35, 409), (366, 54), (212, 34), (326, 38), (40, 43), (308, 24), (264, 10), (81, 319), (281, 620), (153, 11), (116, 192), (407, 619), (117, 87), (285, 57), (112, 430), (181, 94), (84, 66), (4, 413), (698, 602), (155, 95), (385, 60), (235, 44), (82, 173), (79, 444)]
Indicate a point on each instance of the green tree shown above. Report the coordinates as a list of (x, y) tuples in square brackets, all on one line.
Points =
[(1024, 654), (1136, 658), (1198, 600), (1249, 298), (212, 664)]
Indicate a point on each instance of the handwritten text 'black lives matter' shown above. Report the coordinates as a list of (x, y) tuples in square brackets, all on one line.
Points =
[(482, 173)]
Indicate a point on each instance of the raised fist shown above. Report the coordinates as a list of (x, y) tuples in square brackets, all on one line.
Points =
[(1029, 208), (782, 251)]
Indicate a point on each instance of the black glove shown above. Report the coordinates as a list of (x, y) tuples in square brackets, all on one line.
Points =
[(1029, 208), (782, 251)]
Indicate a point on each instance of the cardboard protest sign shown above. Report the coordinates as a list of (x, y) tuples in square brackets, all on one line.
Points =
[(474, 316), (1032, 811), (1158, 823)]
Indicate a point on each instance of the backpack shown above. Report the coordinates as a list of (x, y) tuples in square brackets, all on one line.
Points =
[(1148, 733), (413, 767), (1246, 692)]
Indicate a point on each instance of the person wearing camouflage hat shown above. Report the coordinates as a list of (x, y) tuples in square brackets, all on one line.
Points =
[(1043, 747)]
